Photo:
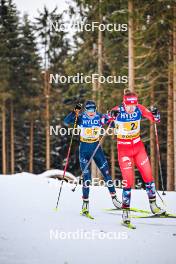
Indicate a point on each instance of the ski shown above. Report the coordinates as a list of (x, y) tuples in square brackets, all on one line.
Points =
[(146, 214), (128, 225), (86, 214), (133, 209), (154, 216)]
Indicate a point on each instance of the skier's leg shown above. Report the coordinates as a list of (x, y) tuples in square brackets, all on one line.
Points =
[(126, 163), (142, 162), (126, 167), (84, 159), (86, 183), (102, 164), (151, 192), (126, 199), (86, 175)]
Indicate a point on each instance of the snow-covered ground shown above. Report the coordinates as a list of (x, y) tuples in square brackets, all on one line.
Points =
[(49, 173), (31, 232)]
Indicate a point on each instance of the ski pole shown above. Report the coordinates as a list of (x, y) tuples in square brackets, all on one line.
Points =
[(161, 198), (159, 159), (67, 159), (92, 155)]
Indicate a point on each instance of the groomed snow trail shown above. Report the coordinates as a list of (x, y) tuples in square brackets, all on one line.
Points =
[(31, 232)]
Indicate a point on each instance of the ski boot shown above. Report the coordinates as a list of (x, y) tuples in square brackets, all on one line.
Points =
[(126, 219), (156, 209), (126, 216), (116, 202), (85, 209)]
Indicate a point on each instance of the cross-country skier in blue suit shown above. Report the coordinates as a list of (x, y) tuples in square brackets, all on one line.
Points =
[(90, 123)]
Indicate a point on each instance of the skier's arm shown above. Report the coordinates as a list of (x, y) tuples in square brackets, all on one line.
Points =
[(148, 114), (115, 111), (110, 117), (70, 118), (105, 119)]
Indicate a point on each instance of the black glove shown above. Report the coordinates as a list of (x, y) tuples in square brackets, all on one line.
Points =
[(156, 113), (114, 113), (154, 110), (78, 106)]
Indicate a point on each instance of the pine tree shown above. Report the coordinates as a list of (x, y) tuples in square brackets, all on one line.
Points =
[(30, 86), (9, 53), (56, 49)]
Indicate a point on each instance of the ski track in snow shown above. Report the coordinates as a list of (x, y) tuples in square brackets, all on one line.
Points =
[(27, 217)]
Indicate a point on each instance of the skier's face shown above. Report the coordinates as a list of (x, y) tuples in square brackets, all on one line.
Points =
[(91, 112), (130, 108)]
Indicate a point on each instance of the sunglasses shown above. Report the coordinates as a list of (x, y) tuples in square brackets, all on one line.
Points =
[(91, 110)]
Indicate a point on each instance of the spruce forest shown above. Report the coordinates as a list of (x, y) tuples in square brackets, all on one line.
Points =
[(143, 48)]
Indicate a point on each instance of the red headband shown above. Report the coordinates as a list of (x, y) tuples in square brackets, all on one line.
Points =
[(130, 99)]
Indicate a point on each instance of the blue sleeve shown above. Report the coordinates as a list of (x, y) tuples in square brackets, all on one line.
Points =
[(70, 119)]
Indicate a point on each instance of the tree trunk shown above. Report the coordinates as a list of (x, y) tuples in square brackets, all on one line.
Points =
[(130, 46), (174, 89), (100, 58), (4, 162), (170, 132), (31, 146), (12, 138), (97, 87), (47, 120)]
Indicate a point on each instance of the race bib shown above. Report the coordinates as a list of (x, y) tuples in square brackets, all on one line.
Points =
[(129, 126), (90, 133), (128, 130)]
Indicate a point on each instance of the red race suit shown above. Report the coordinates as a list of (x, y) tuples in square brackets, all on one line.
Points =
[(131, 150)]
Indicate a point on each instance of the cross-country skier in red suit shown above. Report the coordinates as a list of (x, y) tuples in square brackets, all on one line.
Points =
[(131, 150)]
